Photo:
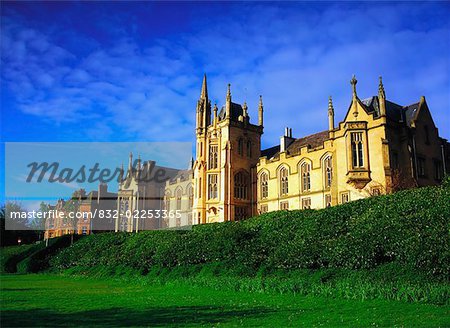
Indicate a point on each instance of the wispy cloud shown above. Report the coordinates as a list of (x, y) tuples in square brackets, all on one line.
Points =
[(294, 55)]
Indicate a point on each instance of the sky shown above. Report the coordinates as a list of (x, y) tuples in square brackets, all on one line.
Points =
[(132, 71)]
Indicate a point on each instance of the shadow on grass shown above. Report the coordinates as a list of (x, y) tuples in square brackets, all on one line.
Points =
[(123, 317)]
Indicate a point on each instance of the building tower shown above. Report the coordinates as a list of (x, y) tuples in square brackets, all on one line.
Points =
[(227, 150)]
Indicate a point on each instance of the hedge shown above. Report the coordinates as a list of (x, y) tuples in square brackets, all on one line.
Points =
[(408, 228)]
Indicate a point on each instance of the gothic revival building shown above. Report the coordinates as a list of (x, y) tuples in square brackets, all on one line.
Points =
[(379, 147)]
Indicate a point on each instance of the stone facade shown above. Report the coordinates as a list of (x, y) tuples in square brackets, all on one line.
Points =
[(379, 147)]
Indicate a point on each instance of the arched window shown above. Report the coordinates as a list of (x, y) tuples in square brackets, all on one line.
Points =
[(179, 194), (241, 185), (328, 171), (264, 186), (249, 149), (284, 182), (167, 201), (212, 186), (191, 197), (306, 176), (241, 147)]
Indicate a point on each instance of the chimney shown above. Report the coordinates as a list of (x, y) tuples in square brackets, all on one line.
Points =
[(102, 190), (286, 140)]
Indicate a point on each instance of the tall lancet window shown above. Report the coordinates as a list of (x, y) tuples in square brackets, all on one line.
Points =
[(212, 186), (284, 182), (357, 149), (213, 156), (249, 149), (191, 196), (328, 171), (179, 194), (241, 147), (241, 185), (264, 186), (306, 176), (167, 201)]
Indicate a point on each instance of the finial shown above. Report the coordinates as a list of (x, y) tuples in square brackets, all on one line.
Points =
[(260, 101), (229, 91), (353, 82), (381, 92), (244, 108), (215, 108), (330, 105)]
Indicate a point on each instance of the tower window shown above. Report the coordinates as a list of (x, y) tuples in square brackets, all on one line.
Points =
[(240, 212), (213, 156), (306, 176), (212, 186), (241, 147), (264, 185), (284, 182), (357, 149), (240, 185), (249, 149), (328, 171)]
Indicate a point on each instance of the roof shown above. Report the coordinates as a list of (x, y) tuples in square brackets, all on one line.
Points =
[(312, 141), (183, 175), (394, 112), (236, 111)]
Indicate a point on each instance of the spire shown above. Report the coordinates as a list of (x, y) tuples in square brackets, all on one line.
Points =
[(260, 111), (204, 93), (381, 92), (130, 161), (228, 102), (139, 162), (330, 114), (215, 119)]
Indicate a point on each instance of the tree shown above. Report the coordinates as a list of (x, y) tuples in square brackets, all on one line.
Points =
[(71, 207)]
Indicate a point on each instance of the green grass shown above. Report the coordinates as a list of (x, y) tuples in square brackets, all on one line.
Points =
[(51, 300)]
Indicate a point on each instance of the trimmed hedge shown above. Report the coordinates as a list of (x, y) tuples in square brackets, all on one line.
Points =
[(409, 228)]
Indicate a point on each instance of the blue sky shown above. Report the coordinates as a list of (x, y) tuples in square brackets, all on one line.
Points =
[(131, 71)]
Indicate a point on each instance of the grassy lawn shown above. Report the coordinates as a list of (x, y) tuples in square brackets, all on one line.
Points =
[(50, 300)]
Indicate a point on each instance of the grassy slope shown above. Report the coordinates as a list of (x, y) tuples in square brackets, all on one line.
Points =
[(50, 300)]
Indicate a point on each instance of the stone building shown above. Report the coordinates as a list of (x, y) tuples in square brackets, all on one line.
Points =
[(140, 196), (377, 148)]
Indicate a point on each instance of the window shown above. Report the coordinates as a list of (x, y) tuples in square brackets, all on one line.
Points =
[(213, 156), (357, 149), (306, 203), (306, 176), (327, 200), (249, 149), (240, 147), (167, 201), (284, 182), (345, 198), (212, 186), (284, 206), (438, 171), (240, 185), (328, 171), (240, 212), (421, 167), (191, 196), (264, 185), (178, 195), (263, 209)]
